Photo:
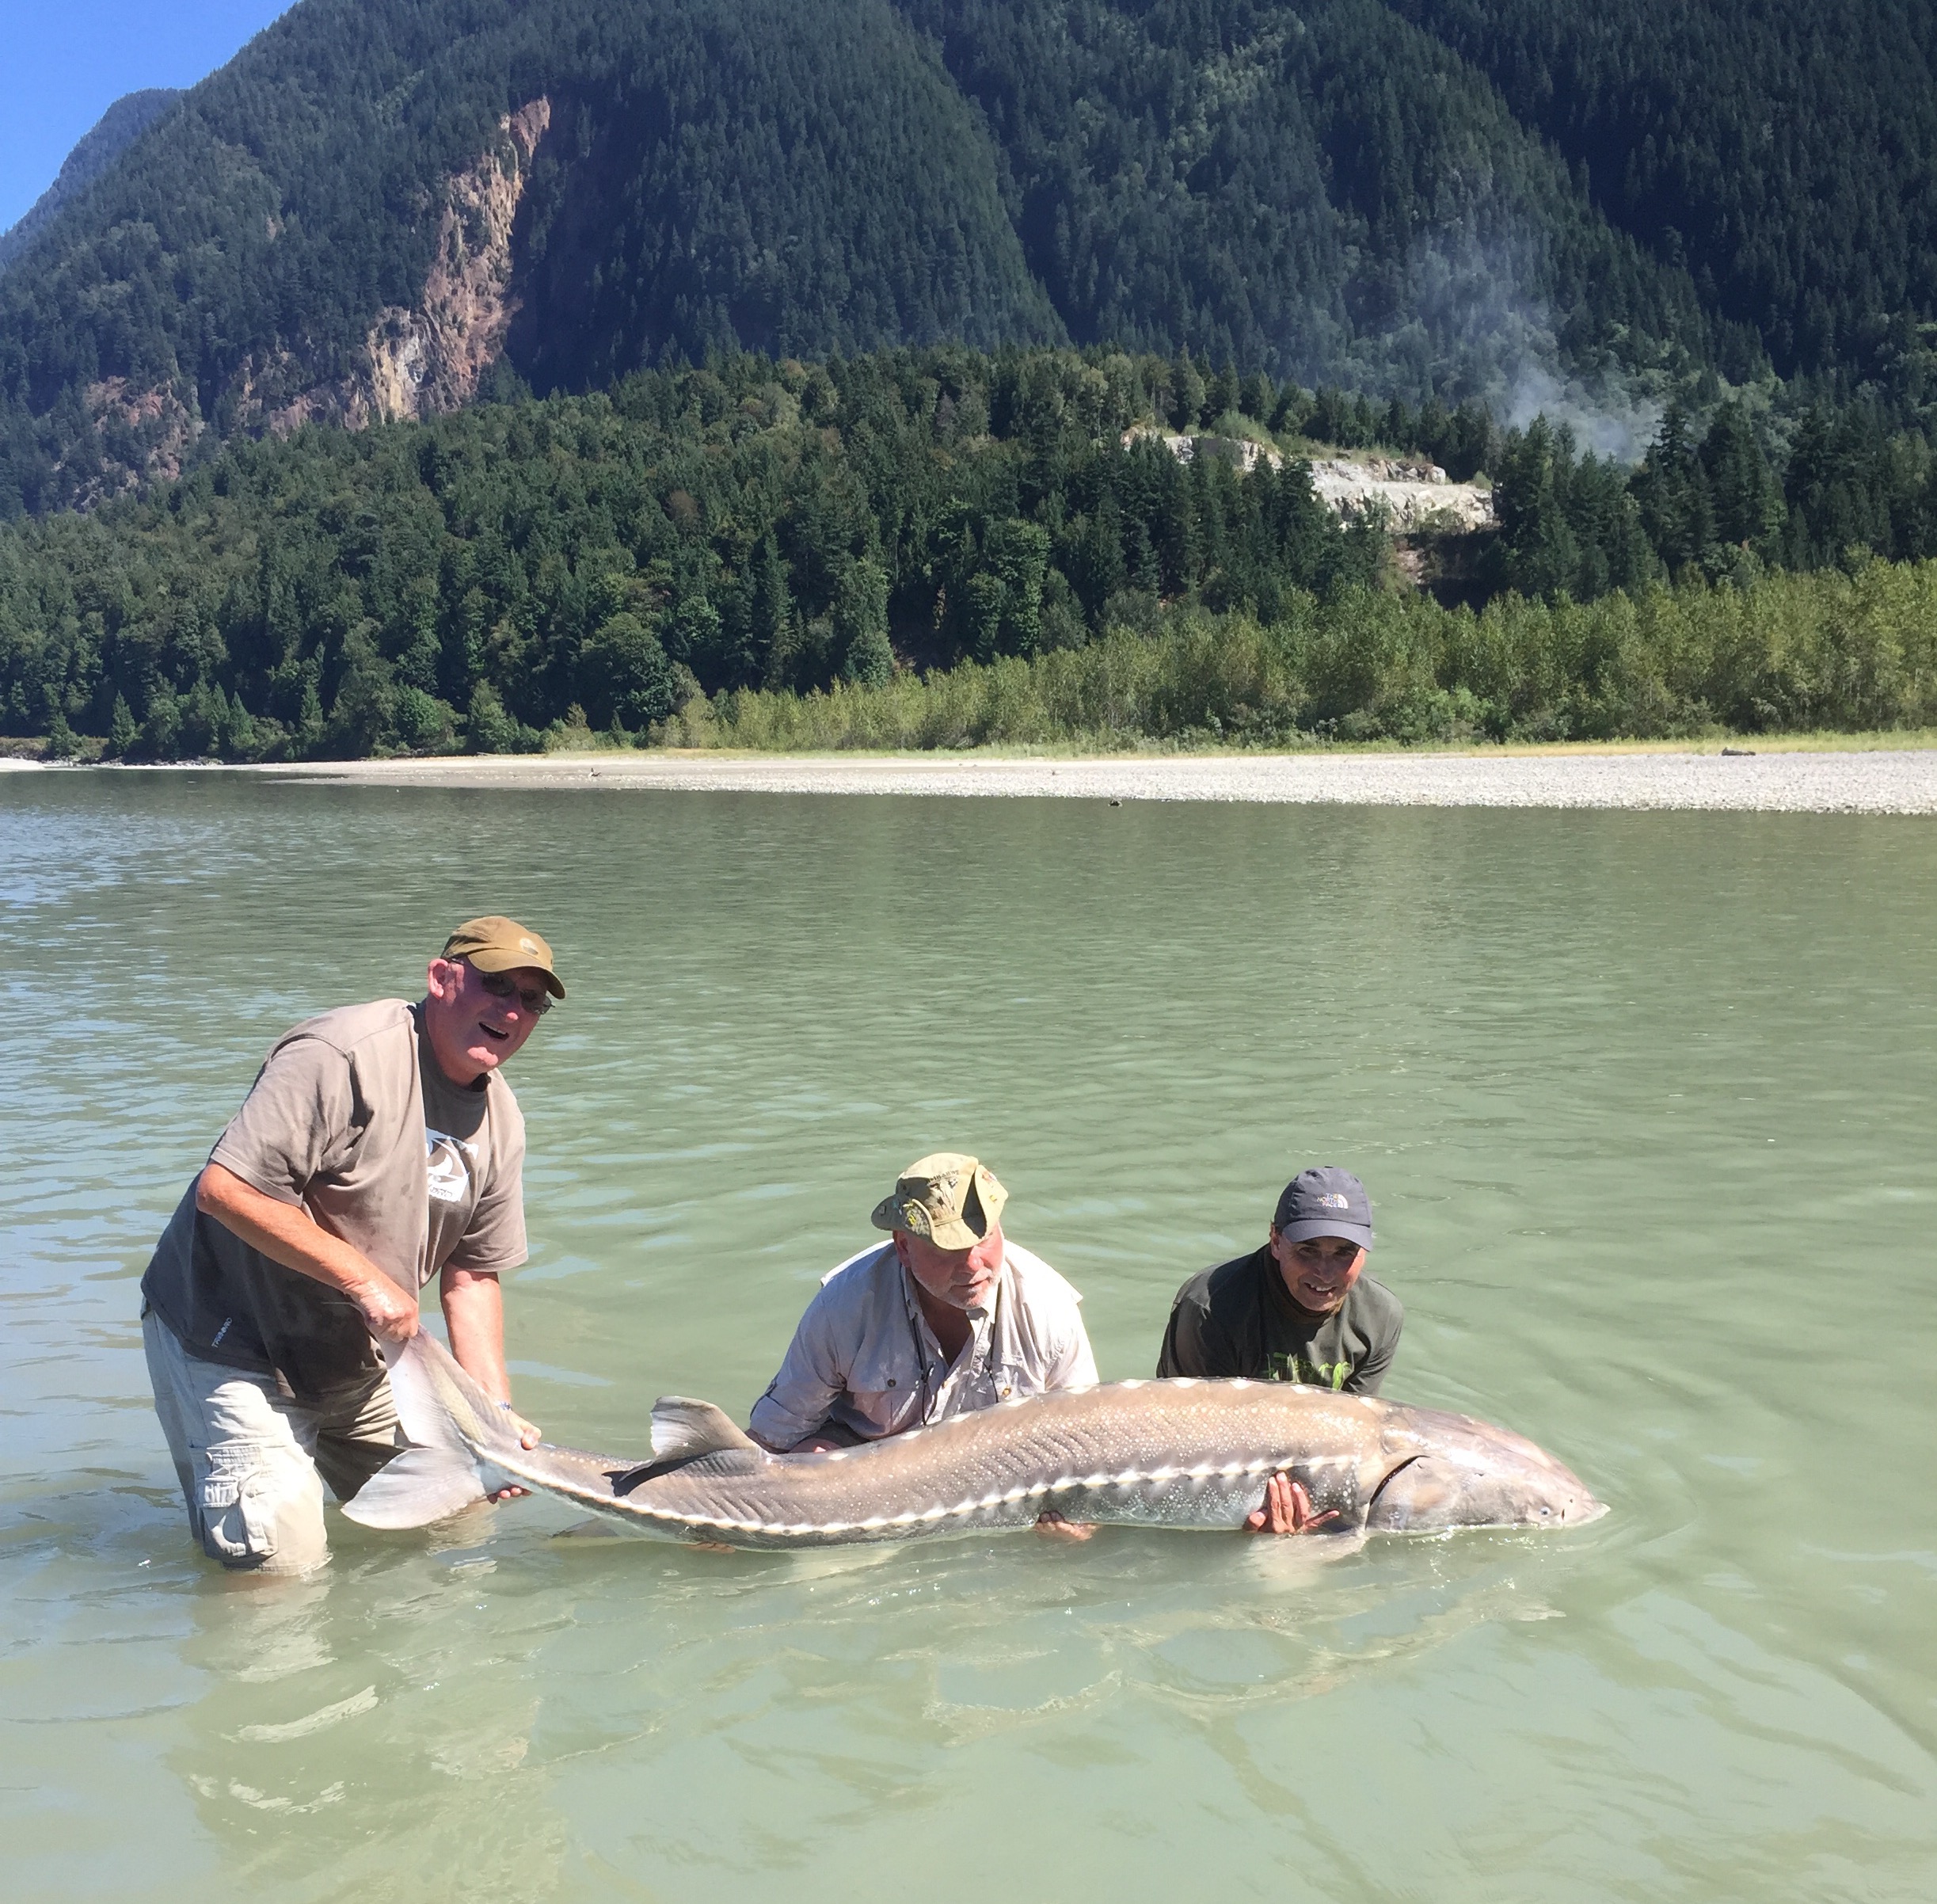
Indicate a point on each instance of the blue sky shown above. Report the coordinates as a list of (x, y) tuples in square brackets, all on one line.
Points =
[(65, 62)]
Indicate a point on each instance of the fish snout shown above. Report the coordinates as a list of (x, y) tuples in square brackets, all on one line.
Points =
[(1449, 1472)]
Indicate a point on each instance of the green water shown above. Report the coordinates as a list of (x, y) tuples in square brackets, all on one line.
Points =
[(1644, 1101)]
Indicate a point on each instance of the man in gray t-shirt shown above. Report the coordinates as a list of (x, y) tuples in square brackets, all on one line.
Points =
[(1301, 1309), (378, 1147)]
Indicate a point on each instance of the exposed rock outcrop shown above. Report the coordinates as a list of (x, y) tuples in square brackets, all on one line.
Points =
[(428, 359), (415, 361), (1417, 496), (140, 433), (424, 359)]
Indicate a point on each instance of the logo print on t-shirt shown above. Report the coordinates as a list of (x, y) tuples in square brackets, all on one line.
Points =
[(448, 1162)]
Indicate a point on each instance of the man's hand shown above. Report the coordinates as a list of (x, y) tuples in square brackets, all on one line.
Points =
[(528, 1436), (287, 1233), (388, 1311), (1053, 1527), (1287, 1509)]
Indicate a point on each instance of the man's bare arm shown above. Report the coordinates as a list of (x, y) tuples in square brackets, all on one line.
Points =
[(473, 1306), (287, 1234)]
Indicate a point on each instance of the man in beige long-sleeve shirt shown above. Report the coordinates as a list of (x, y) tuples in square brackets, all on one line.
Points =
[(947, 1316)]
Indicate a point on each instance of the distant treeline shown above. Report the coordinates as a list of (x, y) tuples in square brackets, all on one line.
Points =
[(750, 529)]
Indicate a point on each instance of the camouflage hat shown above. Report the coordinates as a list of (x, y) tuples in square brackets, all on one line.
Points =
[(494, 944), (952, 1200)]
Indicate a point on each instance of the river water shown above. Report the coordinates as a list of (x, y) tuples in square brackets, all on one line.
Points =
[(1644, 1104)]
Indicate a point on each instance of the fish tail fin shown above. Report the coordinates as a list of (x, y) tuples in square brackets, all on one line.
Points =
[(450, 1425), (422, 1485)]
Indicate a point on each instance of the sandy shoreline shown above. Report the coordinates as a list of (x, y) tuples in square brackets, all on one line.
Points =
[(1881, 782)]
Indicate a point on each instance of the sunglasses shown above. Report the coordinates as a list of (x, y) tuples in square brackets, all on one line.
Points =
[(500, 984)]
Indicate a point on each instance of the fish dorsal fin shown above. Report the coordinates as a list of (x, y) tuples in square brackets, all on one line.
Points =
[(683, 1430)]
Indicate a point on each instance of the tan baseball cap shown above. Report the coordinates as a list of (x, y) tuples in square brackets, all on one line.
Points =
[(952, 1200), (496, 944)]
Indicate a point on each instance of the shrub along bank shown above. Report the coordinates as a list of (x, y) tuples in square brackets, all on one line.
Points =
[(1787, 653)]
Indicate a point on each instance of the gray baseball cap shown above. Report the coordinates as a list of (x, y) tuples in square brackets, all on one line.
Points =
[(1325, 1201)]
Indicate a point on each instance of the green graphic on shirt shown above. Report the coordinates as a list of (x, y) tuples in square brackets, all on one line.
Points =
[(1283, 1366)]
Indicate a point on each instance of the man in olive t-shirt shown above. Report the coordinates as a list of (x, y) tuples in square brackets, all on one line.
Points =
[(1301, 1309), (378, 1147)]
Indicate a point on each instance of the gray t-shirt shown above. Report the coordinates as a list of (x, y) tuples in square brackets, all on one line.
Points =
[(1239, 1319), (351, 1118)]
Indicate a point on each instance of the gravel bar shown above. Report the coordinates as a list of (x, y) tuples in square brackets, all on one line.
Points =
[(1830, 783)]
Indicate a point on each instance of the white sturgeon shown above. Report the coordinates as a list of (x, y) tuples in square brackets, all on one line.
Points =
[(1176, 1453)]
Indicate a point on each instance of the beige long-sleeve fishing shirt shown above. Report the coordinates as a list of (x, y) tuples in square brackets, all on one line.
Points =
[(864, 1360)]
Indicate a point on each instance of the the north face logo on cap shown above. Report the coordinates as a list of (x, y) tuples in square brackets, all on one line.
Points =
[(1332, 1201)]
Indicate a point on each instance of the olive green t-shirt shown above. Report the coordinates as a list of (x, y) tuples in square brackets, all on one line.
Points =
[(351, 1118), (1239, 1319)]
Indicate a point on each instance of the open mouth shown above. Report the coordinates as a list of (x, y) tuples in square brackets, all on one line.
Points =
[(496, 1036)]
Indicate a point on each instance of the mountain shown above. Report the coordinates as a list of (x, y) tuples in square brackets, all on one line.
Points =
[(388, 208), (117, 128), (380, 201), (1784, 151)]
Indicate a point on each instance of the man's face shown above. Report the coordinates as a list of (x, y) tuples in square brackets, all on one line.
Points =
[(964, 1279), (472, 1030), (1319, 1272)]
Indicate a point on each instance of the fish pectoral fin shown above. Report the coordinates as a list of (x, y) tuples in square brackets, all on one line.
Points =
[(684, 1430)]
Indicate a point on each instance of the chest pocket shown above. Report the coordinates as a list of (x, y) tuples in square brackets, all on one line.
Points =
[(1005, 1380), (884, 1384)]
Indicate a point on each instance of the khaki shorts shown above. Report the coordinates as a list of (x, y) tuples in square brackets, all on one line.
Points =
[(252, 1464)]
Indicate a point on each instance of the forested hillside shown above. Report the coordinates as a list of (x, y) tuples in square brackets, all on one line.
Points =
[(1784, 152), (389, 208), (747, 526), (111, 134), (692, 348), (382, 208), (474, 579)]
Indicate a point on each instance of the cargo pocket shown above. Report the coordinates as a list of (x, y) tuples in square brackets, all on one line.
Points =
[(236, 1502)]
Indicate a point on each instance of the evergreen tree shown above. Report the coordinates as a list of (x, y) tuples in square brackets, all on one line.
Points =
[(861, 626), (1746, 502), (1187, 393), (1672, 489), (1220, 396), (123, 733)]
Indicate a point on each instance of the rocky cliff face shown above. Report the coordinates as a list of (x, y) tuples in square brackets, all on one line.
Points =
[(417, 360), (427, 359), (423, 359)]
